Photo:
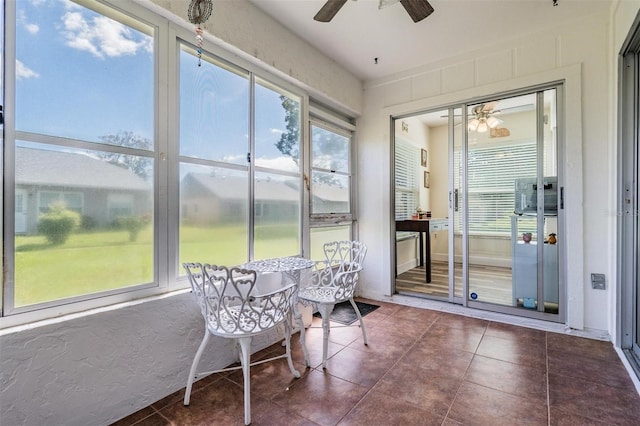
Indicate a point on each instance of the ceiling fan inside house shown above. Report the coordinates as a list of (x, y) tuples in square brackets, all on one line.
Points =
[(482, 118), (417, 9)]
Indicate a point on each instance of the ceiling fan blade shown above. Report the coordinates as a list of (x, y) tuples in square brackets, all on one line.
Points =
[(417, 9), (329, 10), (488, 107)]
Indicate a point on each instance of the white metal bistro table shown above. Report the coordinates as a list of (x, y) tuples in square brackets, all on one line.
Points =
[(291, 268)]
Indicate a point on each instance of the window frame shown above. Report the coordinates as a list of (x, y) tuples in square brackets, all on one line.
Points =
[(324, 219)]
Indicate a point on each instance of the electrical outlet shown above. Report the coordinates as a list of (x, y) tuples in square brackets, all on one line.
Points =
[(598, 282)]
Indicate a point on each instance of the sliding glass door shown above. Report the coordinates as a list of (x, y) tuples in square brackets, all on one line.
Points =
[(491, 196)]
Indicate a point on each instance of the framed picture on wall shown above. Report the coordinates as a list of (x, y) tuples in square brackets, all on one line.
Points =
[(423, 157), (426, 179)]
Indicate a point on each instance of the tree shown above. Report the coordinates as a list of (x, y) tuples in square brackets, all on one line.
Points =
[(289, 143), (329, 144), (141, 166)]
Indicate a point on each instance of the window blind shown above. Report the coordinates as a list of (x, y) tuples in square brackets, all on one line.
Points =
[(407, 171), (492, 172)]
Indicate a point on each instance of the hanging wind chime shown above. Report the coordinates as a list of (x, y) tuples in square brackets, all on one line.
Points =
[(199, 12)]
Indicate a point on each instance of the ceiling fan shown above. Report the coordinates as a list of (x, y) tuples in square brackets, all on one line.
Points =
[(417, 9), (483, 118)]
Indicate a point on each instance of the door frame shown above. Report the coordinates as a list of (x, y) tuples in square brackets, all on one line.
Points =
[(628, 223)]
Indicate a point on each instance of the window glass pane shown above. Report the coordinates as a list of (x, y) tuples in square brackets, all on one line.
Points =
[(320, 236), (329, 150), (277, 129), (330, 193), (73, 201), (214, 110), (68, 245), (213, 215), (277, 216), (104, 84), (502, 148), (330, 172)]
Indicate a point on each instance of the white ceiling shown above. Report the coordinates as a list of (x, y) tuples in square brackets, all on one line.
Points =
[(360, 32)]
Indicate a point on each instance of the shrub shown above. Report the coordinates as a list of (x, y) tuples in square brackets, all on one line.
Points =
[(58, 223), (88, 223), (133, 224)]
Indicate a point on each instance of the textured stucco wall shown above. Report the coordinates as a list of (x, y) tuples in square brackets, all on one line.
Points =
[(98, 368)]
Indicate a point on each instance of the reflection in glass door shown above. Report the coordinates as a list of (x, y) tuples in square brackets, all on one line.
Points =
[(512, 203), (422, 194)]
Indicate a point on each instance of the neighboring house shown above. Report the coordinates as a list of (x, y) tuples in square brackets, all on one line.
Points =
[(329, 198), (206, 199), (104, 192)]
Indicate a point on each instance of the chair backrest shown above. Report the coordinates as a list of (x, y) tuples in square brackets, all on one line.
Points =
[(340, 270), (338, 253), (229, 301), (345, 281)]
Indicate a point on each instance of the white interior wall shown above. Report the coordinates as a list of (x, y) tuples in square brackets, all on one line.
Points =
[(578, 53), (95, 369)]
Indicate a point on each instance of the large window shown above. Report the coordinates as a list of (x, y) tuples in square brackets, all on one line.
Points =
[(114, 177), (230, 178), (276, 182), (214, 173), (84, 132)]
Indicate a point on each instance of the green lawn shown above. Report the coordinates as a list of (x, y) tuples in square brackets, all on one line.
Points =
[(94, 262)]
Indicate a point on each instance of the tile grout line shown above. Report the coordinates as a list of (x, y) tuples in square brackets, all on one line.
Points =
[(465, 374), (389, 369)]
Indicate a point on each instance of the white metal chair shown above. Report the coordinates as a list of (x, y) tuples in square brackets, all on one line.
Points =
[(232, 309), (334, 280)]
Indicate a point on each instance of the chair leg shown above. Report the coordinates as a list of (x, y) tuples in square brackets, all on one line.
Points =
[(245, 359), (355, 308), (194, 365), (287, 341), (325, 310), (298, 316)]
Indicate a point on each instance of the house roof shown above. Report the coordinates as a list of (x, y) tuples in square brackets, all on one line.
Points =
[(75, 170), (330, 193), (233, 187)]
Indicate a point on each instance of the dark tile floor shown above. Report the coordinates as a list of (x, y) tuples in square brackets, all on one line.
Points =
[(421, 367)]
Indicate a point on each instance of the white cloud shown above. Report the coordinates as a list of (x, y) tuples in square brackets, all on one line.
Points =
[(279, 163), (276, 131), (32, 28), (23, 72), (22, 19), (100, 36)]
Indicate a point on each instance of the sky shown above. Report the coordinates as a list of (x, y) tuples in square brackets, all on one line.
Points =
[(82, 75)]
